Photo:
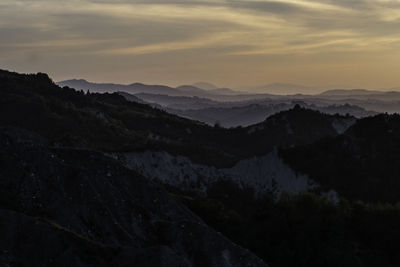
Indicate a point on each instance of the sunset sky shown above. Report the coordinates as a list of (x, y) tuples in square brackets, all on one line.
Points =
[(345, 43)]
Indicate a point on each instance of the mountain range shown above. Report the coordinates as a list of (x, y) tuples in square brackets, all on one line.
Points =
[(234, 108), (135, 88), (281, 89)]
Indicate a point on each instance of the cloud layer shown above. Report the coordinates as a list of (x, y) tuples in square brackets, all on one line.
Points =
[(347, 42)]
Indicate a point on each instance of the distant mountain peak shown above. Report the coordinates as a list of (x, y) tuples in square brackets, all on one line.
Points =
[(74, 80), (136, 84), (205, 86)]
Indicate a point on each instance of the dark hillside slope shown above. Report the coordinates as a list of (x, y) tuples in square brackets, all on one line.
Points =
[(69, 207), (108, 122), (296, 126), (364, 163)]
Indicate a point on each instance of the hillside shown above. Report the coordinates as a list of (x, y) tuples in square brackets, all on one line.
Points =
[(362, 164), (71, 207)]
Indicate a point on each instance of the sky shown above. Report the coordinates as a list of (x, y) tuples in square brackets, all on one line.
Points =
[(343, 43)]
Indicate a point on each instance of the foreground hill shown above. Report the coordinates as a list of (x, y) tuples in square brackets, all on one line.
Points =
[(69, 207)]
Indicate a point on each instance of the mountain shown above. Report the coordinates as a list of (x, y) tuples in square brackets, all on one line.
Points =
[(245, 115), (133, 98), (82, 84), (137, 88), (240, 113), (281, 89), (348, 92), (230, 116), (110, 87), (361, 92), (197, 92), (370, 97), (298, 126), (225, 91), (205, 86), (173, 102), (369, 100), (192, 91)]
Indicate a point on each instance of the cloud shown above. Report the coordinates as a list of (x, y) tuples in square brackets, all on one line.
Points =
[(172, 30), (169, 46)]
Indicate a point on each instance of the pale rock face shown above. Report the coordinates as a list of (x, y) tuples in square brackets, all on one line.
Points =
[(262, 174), (268, 174), (176, 171)]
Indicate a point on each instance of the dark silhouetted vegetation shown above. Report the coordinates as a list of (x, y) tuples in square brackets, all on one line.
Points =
[(362, 164)]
